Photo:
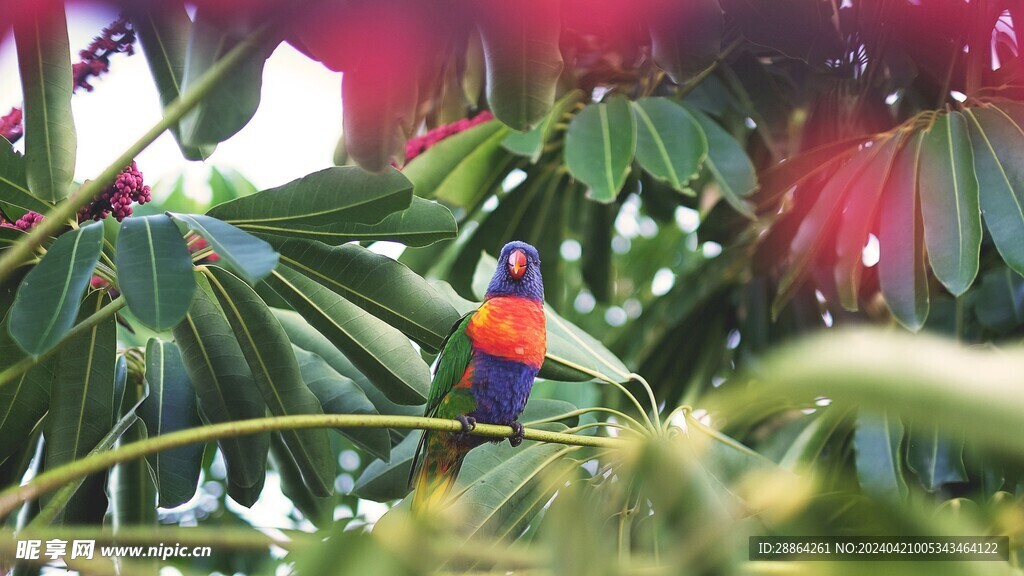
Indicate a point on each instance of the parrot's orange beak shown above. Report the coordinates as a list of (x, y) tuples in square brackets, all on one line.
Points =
[(517, 264)]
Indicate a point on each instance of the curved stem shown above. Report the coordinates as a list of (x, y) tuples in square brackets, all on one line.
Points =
[(28, 362), (50, 480), (603, 378), (583, 411), (650, 396), (56, 219), (590, 425)]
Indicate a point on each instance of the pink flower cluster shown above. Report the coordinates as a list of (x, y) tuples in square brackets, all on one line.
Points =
[(118, 198), (420, 144), (200, 243), (25, 223), (117, 38), (10, 125)]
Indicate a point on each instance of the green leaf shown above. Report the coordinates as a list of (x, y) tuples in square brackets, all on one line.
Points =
[(9, 236), (120, 386), (340, 395), (269, 354), (685, 37), (999, 305), (997, 139), (154, 270), (226, 392), (778, 179), (232, 102), (935, 457), (818, 224), (670, 145), (902, 270), (24, 400), (531, 144), (81, 404), (340, 193), (377, 284), (244, 253), (728, 163), (949, 202), (599, 147), (459, 168), (41, 37), (132, 492), (381, 352), (49, 296), (13, 183), (877, 444), (523, 58), (857, 219), (306, 337), (421, 224), (163, 31), (170, 407), (317, 509)]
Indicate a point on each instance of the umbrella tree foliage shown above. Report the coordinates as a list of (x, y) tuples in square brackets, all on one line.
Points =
[(701, 179)]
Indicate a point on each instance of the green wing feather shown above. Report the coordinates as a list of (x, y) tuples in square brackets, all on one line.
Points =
[(456, 353)]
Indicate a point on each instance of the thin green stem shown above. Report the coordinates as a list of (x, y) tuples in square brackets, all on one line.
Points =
[(57, 218), (650, 396), (28, 362), (50, 480), (603, 378), (582, 411)]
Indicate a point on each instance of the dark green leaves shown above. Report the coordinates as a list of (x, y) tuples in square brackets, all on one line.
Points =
[(276, 373), (531, 144), (154, 270), (949, 202), (523, 58), (728, 163), (685, 36), (936, 458), (13, 184), (24, 400), (344, 193), (41, 35), (879, 468), (599, 147), (48, 299), (245, 254), (460, 168), (670, 145), (376, 283), (170, 407)]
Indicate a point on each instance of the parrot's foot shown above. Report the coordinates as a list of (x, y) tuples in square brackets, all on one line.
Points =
[(517, 434), (468, 425)]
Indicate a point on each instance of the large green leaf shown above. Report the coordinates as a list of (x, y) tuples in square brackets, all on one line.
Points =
[(24, 400), (376, 283), (170, 407), (226, 392), (997, 140), (269, 354), (317, 509), (303, 335), (458, 168), (531, 144), (949, 202), (670, 145), (381, 352), (81, 405), (49, 296), (935, 457), (599, 147), (902, 270), (999, 304), (154, 270), (132, 492), (857, 219), (879, 462), (523, 58), (244, 253), (686, 37), (340, 395), (728, 163), (41, 36), (13, 183), (233, 101), (163, 30), (338, 194)]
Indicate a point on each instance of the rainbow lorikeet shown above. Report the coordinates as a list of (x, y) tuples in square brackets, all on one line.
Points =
[(485, 371)]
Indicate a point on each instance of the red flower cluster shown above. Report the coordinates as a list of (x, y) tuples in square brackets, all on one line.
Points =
[(10, 125), (118, 198), (117, 38), (418, 145), (25, 223)]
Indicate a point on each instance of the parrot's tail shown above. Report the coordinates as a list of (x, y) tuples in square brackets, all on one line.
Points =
[(434, 471)]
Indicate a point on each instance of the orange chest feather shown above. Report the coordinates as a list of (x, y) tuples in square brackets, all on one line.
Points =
[(511, 328)]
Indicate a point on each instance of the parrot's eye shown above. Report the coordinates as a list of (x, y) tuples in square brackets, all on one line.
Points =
[(517, 264)]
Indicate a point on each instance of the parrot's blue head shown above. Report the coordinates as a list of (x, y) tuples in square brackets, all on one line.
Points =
[(518, 273)]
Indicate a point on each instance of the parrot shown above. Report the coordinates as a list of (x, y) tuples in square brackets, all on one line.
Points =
[(484, 373)]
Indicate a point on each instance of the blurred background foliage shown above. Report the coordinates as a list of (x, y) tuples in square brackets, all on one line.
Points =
[(797, 221)]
